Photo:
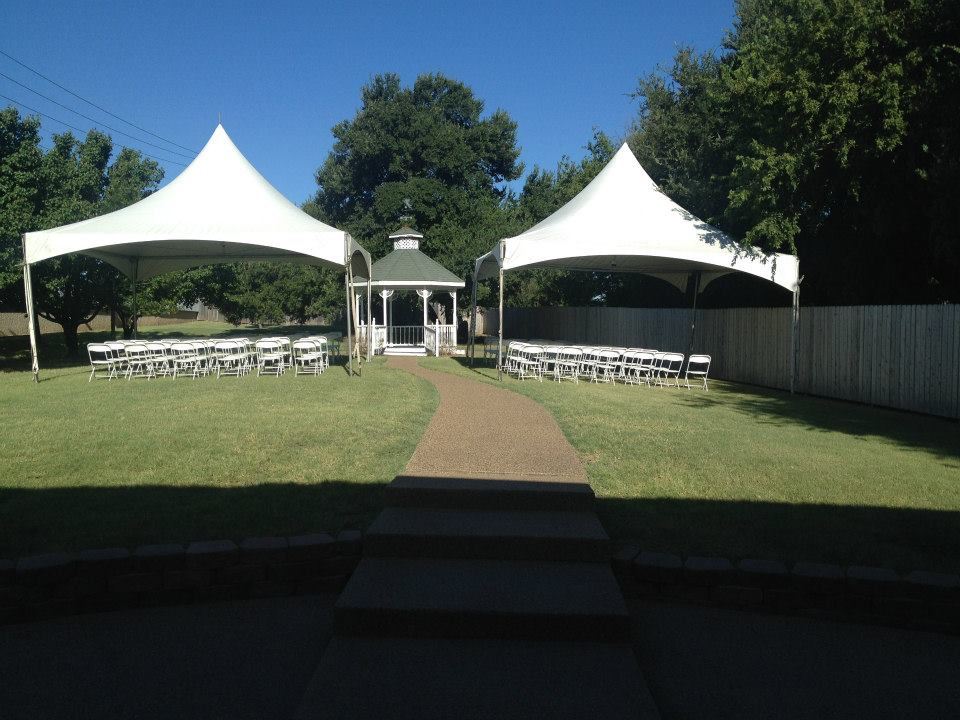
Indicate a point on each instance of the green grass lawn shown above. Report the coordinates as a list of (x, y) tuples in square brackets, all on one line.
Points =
[(747, 472), (122, 463), (738, 471)]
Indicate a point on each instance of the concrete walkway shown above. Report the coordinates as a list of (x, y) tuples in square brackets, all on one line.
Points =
[(485, 588), (513, 436)]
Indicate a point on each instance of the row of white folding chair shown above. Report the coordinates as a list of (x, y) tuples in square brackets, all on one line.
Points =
[(155, 358), (609, 364)]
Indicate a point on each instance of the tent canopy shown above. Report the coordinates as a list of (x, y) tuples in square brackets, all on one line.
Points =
[(219, 209), (622, 222)]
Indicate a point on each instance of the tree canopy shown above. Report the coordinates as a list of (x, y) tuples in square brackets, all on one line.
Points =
[(430, 144), (72, 181), (822, 127)]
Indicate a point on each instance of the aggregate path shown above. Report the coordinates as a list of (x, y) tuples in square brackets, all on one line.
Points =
[(483, 431)]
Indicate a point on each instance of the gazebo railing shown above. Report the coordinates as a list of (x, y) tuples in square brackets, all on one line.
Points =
[(405, 335), (430, 339), (435, 338)]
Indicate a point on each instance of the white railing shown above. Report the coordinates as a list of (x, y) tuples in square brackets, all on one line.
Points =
[(405, 335), (379, 336), (435, 338), (438, 338), (430, 338)]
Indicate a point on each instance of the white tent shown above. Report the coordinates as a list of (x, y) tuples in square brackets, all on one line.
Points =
[(622, 222), (218, 210)]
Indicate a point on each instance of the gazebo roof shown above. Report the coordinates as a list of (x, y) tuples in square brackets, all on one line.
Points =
[(410, 269)]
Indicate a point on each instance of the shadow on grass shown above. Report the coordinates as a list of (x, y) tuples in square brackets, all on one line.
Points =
[(903, 538), (940, 436), (36, 521), (53, 519)]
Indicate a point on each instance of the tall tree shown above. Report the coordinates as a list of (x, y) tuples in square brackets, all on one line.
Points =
[(823, 127), (73, 181), (431, 144)]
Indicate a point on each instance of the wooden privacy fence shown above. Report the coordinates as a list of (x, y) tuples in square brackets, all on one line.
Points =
[(899, 356)]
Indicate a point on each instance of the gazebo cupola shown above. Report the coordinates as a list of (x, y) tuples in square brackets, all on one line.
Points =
[(408, 268), (406, 238)]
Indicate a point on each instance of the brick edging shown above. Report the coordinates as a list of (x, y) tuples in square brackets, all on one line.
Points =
[(919, 599), (43, 586)]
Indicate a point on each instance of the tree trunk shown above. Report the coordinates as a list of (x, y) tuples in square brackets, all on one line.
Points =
[(70, 339)]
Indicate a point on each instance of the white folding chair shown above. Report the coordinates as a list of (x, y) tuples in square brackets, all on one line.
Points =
[(229, 357), (528, 362), (669, 371), (158, 353), (605, 368), (698, 367), (307, 359), (139, 361), (567, 364), (183, 358), (588, 363), (269, 357), (103, 359)]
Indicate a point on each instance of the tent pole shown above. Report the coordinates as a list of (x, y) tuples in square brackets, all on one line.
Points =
[(346, 286), (500, 331), (795, 338), (473, 319), (31, 316), (693, 313), (136, 306)]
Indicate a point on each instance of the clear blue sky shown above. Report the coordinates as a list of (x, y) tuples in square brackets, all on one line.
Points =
[(283, 73)]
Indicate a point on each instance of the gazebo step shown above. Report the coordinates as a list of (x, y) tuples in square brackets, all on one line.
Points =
[(416, 350)]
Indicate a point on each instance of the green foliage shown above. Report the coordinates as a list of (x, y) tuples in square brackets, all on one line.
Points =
[(827, 128), (266, 293), (20, 188), (428, 143), (73, 181)]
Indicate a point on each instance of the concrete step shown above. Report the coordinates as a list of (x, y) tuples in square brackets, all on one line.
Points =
[(411, 679), (431, 597), (478, 493), (405, 351), (505, 535)]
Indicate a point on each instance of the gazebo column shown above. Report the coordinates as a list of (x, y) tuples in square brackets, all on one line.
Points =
[(453, 294), (425, 295), (385, 295)]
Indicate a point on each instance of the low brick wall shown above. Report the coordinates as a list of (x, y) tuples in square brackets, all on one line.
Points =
[(44, 586), (920, 599)]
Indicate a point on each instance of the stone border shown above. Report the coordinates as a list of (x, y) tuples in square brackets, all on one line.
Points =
[(44, 586), (920, 599)]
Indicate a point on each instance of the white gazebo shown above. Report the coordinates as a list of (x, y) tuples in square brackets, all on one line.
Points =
[(406, 268), (622, 222), (218, 210)]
